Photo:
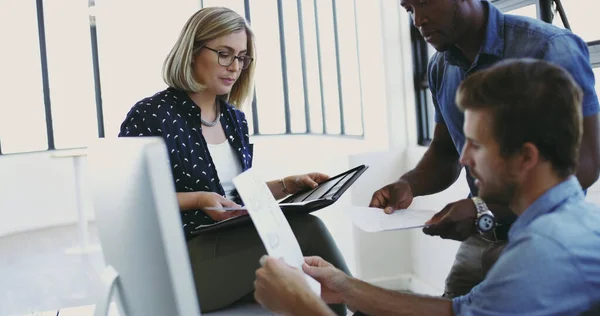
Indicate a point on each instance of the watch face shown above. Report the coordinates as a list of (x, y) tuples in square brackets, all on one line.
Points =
[(486, 223)]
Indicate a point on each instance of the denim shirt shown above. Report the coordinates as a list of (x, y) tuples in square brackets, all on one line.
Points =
[(551, 264), (172, 115), (507, 36)]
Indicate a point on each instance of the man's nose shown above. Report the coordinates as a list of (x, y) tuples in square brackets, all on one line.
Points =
[(464, 159), (419, 18)]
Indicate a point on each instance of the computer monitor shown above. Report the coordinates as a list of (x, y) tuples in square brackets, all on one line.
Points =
[(148, 270)]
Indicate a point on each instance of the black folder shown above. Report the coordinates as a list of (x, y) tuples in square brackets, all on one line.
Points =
[(304, 202)]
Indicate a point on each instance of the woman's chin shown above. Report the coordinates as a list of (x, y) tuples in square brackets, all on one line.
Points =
[(223, 91)]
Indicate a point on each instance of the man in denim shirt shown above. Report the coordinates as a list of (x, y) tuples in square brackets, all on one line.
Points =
[(472, 35), (551, 264)]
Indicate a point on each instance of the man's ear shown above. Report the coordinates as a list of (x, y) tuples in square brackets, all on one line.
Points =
[(529, 157)]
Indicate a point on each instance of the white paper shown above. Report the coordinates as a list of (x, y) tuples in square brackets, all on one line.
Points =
[(372, 219), (271, 224)]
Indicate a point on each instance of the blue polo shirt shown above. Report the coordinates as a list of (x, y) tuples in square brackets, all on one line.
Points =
[(551, 264), (507, 36)]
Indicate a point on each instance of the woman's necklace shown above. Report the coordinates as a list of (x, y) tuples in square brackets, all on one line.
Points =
[(216, 121)]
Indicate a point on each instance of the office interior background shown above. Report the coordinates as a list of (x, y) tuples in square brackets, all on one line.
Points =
[(339, 83)]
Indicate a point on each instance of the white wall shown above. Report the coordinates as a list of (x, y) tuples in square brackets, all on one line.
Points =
[(35, 191), (403, 260)]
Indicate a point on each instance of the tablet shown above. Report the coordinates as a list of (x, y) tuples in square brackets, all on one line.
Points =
[(325, 194)]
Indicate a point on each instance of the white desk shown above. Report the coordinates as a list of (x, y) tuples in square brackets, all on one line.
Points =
[(80, 190)]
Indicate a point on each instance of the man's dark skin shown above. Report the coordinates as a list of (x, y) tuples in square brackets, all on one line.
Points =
[(439, 167)]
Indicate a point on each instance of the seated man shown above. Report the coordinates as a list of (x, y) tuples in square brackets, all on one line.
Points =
[(523, 125)]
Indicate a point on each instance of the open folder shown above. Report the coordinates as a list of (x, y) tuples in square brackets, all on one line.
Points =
[(325, 194)]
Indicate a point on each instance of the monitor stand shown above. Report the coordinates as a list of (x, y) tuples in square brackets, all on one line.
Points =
[(110, 278)]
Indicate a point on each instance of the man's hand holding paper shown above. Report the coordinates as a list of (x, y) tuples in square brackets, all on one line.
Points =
[(455, 221), (373, 220), (394, 196)]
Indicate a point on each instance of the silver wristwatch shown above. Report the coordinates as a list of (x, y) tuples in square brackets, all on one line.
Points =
[(485, 222)]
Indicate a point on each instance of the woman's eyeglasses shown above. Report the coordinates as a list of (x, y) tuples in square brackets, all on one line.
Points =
[(226, 58)]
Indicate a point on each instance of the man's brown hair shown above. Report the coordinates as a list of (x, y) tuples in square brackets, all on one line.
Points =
[(531, 101)]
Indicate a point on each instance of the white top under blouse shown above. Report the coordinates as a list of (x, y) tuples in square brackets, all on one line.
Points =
[(227, 164)]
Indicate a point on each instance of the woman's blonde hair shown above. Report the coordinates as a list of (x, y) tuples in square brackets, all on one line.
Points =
[(205, 25)]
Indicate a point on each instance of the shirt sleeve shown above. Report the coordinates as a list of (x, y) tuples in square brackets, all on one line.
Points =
[(432, 78), (571, 52), (139, 123), (531, 277)]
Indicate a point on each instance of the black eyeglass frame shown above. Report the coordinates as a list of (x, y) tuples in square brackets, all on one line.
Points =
[(239, 58)]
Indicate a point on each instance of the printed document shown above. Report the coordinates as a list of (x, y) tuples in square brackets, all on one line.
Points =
[(373, 220), (271, 224)]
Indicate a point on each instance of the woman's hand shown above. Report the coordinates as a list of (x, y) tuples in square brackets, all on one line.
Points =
[(203, 200), (298, 183), (211, 199), (292, 184)]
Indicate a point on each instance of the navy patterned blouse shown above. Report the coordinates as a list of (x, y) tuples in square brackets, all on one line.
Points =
[(172, 115)]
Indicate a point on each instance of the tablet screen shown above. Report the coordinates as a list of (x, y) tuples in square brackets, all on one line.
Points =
[(319, 191), (326, 189)]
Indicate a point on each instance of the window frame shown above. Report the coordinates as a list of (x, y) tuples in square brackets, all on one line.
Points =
[(284, 64), (254, 103)]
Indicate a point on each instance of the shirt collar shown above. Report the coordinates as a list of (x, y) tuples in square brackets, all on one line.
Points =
[(493, 41), (185, 102), (189, 106), (547, 203)]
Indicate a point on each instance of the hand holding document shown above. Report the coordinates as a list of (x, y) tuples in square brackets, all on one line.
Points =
[(272, 226), (372, 219)]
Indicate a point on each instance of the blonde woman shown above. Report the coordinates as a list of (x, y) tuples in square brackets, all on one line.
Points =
[(210, 73)]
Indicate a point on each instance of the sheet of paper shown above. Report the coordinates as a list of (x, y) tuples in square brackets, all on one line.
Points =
[(271, 224), (373, 220)]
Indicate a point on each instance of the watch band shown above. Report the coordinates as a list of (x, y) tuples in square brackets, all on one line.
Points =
[(480, 205), (485, 222)]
